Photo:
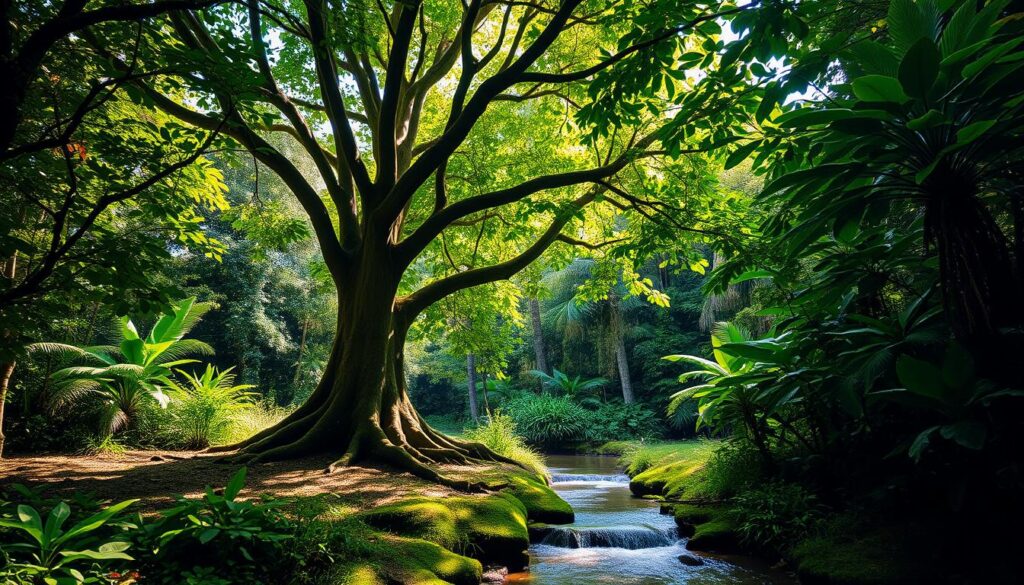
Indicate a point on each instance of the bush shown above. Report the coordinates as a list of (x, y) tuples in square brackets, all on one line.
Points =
[(617, 421), (500, 435), (550, 420), (49, 541), (237, 541), (201, 410), (776, 515)]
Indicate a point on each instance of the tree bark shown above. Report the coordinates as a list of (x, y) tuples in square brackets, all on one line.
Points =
[(302, 350), (621, 361), (6, 369), (361, 410), (474, 410), (538, 340)]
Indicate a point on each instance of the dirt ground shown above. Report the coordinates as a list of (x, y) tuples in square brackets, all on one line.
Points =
[(156, 476)]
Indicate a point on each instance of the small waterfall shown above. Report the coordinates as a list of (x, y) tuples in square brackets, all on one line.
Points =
[(629, 537), (587, 477)]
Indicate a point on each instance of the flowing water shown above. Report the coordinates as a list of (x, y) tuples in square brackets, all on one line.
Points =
[(621, 540)]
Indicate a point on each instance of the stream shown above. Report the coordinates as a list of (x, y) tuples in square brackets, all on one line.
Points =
[(622, 540)]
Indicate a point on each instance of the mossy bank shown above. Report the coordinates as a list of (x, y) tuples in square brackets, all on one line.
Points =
[(432, 541)]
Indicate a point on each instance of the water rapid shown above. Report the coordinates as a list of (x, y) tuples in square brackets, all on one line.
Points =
[(621, 540)]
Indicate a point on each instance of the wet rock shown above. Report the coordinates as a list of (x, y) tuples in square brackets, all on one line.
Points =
[(494, 575), (690, 560)]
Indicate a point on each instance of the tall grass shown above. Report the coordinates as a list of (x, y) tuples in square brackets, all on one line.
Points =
[(500, 435), (246, 423)]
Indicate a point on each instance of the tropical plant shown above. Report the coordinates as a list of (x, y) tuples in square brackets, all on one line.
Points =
[(499, 433), (38, 551), (245, 541), (128, 375), (549, 420), (560, 383), (203, 408)]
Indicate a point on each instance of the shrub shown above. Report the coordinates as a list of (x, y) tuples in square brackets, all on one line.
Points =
[(776, 515), (499, 433), (38, 550), (547, 420), (241, 541), (617, 421), (201, 410)]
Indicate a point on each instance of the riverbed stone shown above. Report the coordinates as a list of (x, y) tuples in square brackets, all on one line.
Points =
[(690, 560)]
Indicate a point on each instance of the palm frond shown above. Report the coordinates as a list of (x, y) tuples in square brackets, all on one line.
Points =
[(183, 348)]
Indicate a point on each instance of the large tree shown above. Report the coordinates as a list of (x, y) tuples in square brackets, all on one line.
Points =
[(519, 124)]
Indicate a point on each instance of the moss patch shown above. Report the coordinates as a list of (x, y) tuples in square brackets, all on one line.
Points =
[(717, 535), (409, 561), (490, 528), (670, 480), (879, 558), (541, 502)]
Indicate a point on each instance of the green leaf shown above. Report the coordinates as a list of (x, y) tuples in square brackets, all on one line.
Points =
[(879, 88), (235, 485), (921, 443), (929, 119), (972, 132), (741, 153), (908, 22), (811, 116), (966, 433), (919, 68), (920, 377)]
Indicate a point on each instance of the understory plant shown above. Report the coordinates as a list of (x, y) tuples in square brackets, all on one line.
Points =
[(36, 546), (500, 435), (203, 408), (129, 376), (550, 420)]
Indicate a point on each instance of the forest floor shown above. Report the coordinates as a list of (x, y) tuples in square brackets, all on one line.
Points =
[(157, 476)]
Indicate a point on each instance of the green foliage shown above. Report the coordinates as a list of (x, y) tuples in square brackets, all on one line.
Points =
[(776, 514), (38, 550), (129, 374), (618, 421), (550, 420), (499, 434), (559, 383), (241, 540), (204, 408)]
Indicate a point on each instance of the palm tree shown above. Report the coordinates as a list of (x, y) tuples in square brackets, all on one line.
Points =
[(127, 375), (568, 311)]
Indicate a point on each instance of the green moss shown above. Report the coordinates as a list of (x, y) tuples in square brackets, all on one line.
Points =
[(693, 514), (671, 480), (717, 535), (541, 502), (409, 561), (879, 558), (490, 528)]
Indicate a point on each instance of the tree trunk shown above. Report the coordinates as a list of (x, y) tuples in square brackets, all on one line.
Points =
[(6, 369), (302, 350), (361, 410), (620, 350), (538, 339), (474, 410), (483, 390)]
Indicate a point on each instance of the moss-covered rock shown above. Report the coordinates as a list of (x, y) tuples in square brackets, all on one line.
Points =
[(409, 561), (489, 528), (541, 502), (717, 535), (670, 480)]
